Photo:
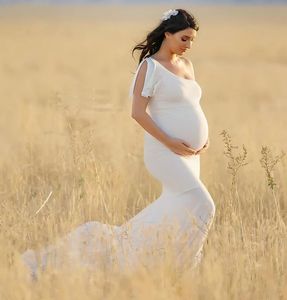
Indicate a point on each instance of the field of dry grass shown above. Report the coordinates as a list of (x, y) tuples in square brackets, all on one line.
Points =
[(65, 128)]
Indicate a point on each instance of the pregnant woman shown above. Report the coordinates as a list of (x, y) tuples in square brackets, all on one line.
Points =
[(166, 103)]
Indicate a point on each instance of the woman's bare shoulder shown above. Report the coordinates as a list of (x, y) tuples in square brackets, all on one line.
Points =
[(187, 62), (188, 65)]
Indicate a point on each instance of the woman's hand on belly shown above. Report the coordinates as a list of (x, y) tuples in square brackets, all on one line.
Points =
[(180, 147), (204, 148)]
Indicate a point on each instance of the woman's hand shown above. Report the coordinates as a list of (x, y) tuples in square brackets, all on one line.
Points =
[(180, 147), (204, 148)]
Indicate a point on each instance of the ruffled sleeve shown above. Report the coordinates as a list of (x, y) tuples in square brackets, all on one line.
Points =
[(149, 82)]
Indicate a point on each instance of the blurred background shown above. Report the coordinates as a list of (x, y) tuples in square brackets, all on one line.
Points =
[(65, 127)]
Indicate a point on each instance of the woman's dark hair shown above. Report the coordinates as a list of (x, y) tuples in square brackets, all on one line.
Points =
[(174, 24)]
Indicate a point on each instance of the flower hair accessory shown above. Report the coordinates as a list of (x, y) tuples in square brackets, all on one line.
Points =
[(167, 14)]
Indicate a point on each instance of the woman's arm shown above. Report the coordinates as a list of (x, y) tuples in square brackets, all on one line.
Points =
[(139, 106)]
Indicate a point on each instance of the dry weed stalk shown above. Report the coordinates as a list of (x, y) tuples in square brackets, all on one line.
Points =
[(235, 162), (268, 162)]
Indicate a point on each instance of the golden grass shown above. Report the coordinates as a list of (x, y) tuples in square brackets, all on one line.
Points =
[(65, 128)]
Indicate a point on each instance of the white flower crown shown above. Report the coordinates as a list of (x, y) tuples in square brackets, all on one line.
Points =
[(167, 14)]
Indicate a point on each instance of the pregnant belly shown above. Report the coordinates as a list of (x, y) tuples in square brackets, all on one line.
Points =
[(187, 123)]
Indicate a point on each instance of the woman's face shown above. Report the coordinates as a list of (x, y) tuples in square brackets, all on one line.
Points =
[(181, 40)]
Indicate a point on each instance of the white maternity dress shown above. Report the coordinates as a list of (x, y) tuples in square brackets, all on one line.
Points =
[(176, 224)]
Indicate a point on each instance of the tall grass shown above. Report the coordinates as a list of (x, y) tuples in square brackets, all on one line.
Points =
[(70, 153)]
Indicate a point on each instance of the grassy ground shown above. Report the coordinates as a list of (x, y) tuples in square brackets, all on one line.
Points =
[(65, 128)]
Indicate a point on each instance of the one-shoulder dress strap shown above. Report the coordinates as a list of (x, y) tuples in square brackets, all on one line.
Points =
[(149, 83)]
